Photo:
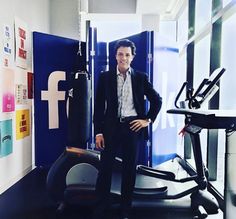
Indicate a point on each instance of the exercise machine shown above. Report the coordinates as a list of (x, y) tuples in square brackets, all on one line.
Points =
[(72, 178), (195, 121)]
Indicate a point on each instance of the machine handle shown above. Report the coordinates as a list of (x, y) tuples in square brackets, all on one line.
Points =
[(155, 173), (180, 92)]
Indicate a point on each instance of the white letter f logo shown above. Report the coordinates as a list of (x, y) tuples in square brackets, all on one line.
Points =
[(52, 95)]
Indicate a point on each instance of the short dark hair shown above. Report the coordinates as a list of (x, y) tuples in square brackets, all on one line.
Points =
[(125, 43)]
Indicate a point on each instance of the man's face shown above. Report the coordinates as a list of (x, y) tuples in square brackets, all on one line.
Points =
[(124, 58)]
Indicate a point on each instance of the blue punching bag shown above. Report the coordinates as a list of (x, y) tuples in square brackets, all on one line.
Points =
[(79, 113)]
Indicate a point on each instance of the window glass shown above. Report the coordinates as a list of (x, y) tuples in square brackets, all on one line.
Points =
[(182, 38), (201, 71), (228, 52), (219, 184), (225, 2), (202, 14), (182, 31), (227, 87), (180, 119), (201, 60)]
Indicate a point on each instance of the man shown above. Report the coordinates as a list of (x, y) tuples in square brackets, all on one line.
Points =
[(119, 121)]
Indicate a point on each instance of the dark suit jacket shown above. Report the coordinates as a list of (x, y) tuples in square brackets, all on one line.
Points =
[(106, 101)]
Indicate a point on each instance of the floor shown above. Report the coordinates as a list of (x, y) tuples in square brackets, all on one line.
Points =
[(28, 199)]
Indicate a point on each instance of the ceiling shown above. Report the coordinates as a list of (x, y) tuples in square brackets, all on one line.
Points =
[(166, 9)]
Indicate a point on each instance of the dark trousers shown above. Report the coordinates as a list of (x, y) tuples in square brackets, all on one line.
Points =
[(126, 141)]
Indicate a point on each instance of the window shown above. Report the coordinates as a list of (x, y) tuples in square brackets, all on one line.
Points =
[(203, 14)]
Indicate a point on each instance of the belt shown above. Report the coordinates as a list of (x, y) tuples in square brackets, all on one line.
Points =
[(127, 119)]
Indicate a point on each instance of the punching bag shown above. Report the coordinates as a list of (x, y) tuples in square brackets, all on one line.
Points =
[(79, 112)]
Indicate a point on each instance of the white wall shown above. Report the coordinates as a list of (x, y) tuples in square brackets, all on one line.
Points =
[(35, 13), (64, 18), (64, 15), (112, 6), (112, 26)]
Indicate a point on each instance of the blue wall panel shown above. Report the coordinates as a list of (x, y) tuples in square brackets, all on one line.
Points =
[(54, 57), (166, 79)]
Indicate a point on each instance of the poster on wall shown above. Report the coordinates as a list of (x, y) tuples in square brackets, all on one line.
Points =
[(21, 42), (7, 46), (7, 89), (22, 124), (5, 137), (30, 82), (21, 94)]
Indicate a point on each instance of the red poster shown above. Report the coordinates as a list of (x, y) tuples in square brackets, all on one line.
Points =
[(30, 81)]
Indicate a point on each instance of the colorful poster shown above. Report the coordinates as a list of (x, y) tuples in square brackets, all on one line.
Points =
[(22, 42), (7, 89), (22, 124), (21, 94), (7, 45), (30, 81), (5, 137)]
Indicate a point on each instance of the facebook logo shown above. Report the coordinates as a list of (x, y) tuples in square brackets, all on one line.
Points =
[(53, 95)]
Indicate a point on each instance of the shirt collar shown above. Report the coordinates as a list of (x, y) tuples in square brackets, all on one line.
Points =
[(118, 72)]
